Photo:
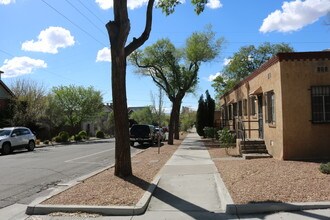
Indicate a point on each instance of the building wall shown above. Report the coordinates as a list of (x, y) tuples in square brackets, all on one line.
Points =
[(267, 80), (303, 139), (270, 80)]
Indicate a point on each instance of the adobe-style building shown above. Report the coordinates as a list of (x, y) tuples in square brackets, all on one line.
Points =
[(285, 103)]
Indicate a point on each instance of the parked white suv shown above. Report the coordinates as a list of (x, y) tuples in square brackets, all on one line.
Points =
[(16, 137)]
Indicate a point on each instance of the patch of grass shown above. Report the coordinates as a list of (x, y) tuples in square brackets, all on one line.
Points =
[(325, 168)]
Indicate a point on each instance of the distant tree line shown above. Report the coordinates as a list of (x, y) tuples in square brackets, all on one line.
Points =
[(63, 108)]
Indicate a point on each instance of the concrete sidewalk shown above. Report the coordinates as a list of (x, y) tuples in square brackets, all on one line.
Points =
[(187, 186), (190, 188)]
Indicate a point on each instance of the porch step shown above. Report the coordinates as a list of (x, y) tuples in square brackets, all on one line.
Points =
[(253, 147), (255, 156)]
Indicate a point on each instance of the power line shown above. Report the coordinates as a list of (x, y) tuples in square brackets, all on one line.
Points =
[(90, 21), (77, 26), (90, 11)]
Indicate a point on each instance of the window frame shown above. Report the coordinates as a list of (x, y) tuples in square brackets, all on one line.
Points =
[(323, 92)]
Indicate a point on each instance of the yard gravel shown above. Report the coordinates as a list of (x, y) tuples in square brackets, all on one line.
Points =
[(270, 180), (106, 189)]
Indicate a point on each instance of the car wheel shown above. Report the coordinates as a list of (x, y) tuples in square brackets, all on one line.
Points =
[(132, 143), (6, 149), (31, 146)]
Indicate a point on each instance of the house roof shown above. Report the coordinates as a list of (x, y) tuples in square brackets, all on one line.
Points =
[(3, 85), (279, 58), (134, 109)]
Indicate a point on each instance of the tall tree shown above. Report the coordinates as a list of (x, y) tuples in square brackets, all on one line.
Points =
[(210, 107), (77, 103), (201, 116), (244, 62), (29, 103), (176, 70), (118, 31)]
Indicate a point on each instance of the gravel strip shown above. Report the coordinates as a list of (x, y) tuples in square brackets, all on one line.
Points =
[(270, 180), (106, 189)]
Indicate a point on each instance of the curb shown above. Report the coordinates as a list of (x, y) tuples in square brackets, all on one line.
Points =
[(36, 208), (273, 207), (229, 207), (107, 140)]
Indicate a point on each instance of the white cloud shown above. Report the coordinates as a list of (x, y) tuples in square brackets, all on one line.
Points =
[(50, 40), (6, 2), (214, 4), (295, 15), (103, 55), (213, 77), (131, 4), (18, 66), (226, 61)]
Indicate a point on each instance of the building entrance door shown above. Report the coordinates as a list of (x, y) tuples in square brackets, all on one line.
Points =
[(260, 117)]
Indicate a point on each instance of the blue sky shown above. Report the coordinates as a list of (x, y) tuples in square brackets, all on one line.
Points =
[(65, 42)]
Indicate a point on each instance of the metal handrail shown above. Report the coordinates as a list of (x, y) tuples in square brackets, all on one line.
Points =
[(241, 130)]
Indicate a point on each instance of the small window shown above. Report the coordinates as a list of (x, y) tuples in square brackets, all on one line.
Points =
[(320, 104), (322, 69), (235, 109), (230, 113), (240, 108), (245, 107), (253, 101), (270, 107)]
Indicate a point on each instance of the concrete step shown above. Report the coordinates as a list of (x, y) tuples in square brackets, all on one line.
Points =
[(254, 151), (255, 156)]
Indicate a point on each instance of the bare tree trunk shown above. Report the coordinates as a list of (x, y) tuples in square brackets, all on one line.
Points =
[(118, 31), (177, 122), (123, 165), (175, 112)]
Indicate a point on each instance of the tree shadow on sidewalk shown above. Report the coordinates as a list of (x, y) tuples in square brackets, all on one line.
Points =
[(178, 203)]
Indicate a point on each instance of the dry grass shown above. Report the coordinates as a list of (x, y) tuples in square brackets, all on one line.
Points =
[(264, 180), (106, 189)]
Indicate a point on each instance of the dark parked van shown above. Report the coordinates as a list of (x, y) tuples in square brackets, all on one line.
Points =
[(142, 134)]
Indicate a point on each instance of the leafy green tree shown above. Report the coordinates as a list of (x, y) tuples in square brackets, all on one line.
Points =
[(176, 70), (187, 119), (144, 116), (77, 103), (118, 31), (244, 62), (29, 103)]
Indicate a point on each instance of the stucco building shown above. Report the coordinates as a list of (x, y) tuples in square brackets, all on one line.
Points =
[(286, 103)]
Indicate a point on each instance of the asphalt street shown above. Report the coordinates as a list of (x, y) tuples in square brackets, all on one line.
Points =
[(25, 174)]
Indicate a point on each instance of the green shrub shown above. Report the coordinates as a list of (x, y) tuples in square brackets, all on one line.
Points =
[(78, 137), (210, 132), (83, 134), (325, 168), (64, 136), (226, 137), (57, 139), (100, 134)]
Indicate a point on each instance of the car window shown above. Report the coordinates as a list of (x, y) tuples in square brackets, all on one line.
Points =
[(4, 132), (16, 132), (24, 131)]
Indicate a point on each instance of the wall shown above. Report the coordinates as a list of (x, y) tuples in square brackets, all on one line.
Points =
[(266, 80), (302, 138)]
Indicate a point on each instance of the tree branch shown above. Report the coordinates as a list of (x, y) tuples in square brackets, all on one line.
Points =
[(137, 42)]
